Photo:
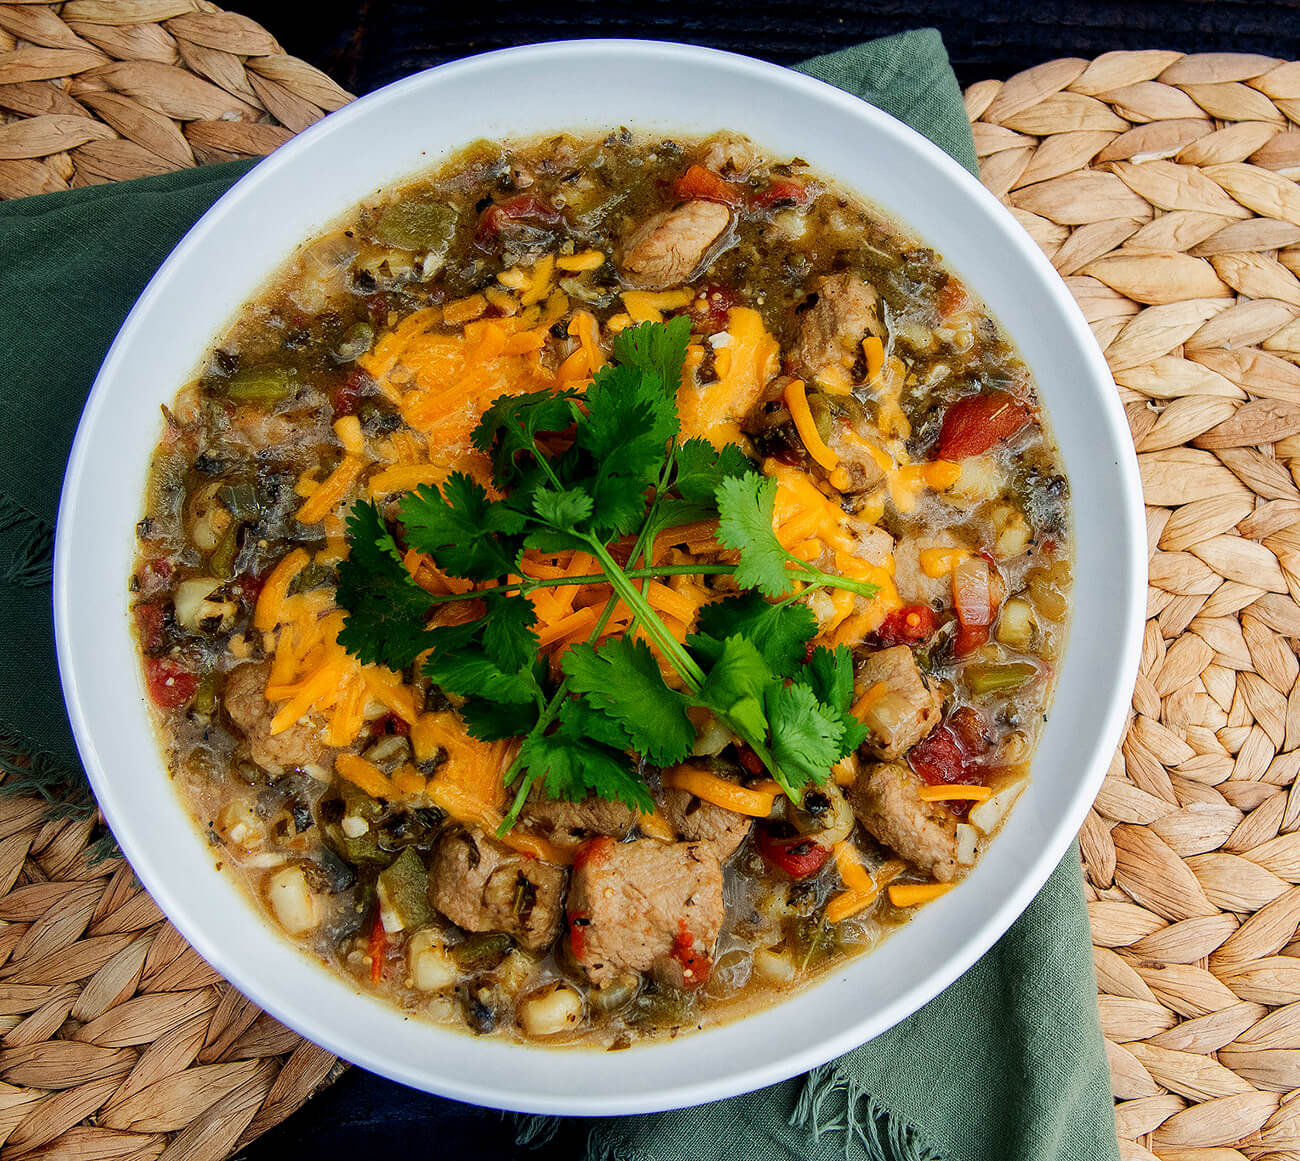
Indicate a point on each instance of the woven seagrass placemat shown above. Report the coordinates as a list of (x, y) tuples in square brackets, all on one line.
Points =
[(1164, 188)]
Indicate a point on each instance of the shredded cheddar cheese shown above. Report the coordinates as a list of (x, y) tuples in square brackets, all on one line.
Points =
[(709, 787), (955, 793), (914, 894)]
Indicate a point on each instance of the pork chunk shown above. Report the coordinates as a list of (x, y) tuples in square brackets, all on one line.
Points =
[(886, 799), (569, 823), (645, 906), (246, 705), (695, 820), (481, 885), (901, 709), (668, 247), (846, 310)]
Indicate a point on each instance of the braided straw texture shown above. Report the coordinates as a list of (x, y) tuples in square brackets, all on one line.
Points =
[(1163, 188), (94, 91), (117, 1042)]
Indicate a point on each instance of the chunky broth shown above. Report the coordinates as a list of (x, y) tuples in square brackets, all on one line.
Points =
[(845, 358)]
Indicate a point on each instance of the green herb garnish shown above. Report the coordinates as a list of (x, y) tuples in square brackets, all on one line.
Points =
[(623, 473)]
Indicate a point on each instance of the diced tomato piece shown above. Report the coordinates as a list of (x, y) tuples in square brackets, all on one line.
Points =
[(593, 850), (149, 620), (525, 207), (393, 725), (579, 921), (698, 182), (978, 422), (170, 683), (907, 626), (944, 759), (375, 949), (969, 638), (751, 761), (970, 729), (696, 966), (781, 189), (796, 855), (952, 298), (720, 300), (344, 396)]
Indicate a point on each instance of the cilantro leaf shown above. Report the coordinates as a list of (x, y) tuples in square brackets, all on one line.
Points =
[(700, 468), (512, 424), (829, 674), (466, 533), (508, 637), (386, 609), (806, 738), (659, 348), (629, 416), (571, 768), (493, 721), (562, 509), (622, 678), (779, 632), (736, 685), (745, 522), (580, 719), (470, 672)]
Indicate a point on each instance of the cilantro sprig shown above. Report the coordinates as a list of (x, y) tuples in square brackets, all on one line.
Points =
[(579, 470)]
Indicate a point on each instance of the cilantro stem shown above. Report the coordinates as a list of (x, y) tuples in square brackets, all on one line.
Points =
[(830, 580), (529, 585), (673, 650)]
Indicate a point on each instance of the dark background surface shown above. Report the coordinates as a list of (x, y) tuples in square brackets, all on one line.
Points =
[(369, 43)]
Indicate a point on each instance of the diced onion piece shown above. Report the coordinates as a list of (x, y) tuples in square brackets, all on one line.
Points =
[(988, 815), (1016, 624), (967, 840), (972, 591), (191, 596)]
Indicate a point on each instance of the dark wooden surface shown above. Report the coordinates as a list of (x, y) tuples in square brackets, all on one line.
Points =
[(364, 44)]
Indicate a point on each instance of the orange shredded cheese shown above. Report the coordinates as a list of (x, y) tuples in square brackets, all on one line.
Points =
[(796, 400), (583, 261), (334, 488), (955, 793), (266, 613), (937, 562), (873, 350), (744, 366), (651, 305), (914, 894), (654, 825), (464, 310), (405, 478), (720, 792), (366, 775)]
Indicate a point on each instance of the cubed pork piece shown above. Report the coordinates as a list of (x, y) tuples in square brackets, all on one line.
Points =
[(695, 820), (886, 797), (645, 906), (481, 885), (668, 247), (844, 310), (245, 700), (567, 824), (900, 708)]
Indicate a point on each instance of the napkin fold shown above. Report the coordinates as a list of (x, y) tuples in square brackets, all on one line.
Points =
[(1008, 1063)]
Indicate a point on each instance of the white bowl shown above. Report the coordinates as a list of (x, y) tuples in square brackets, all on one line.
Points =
[(408, 127)]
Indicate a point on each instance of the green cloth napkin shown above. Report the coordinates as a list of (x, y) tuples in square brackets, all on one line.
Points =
[(1008, 1063)]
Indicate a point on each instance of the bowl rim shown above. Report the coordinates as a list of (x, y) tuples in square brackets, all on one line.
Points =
[(115, 799)]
